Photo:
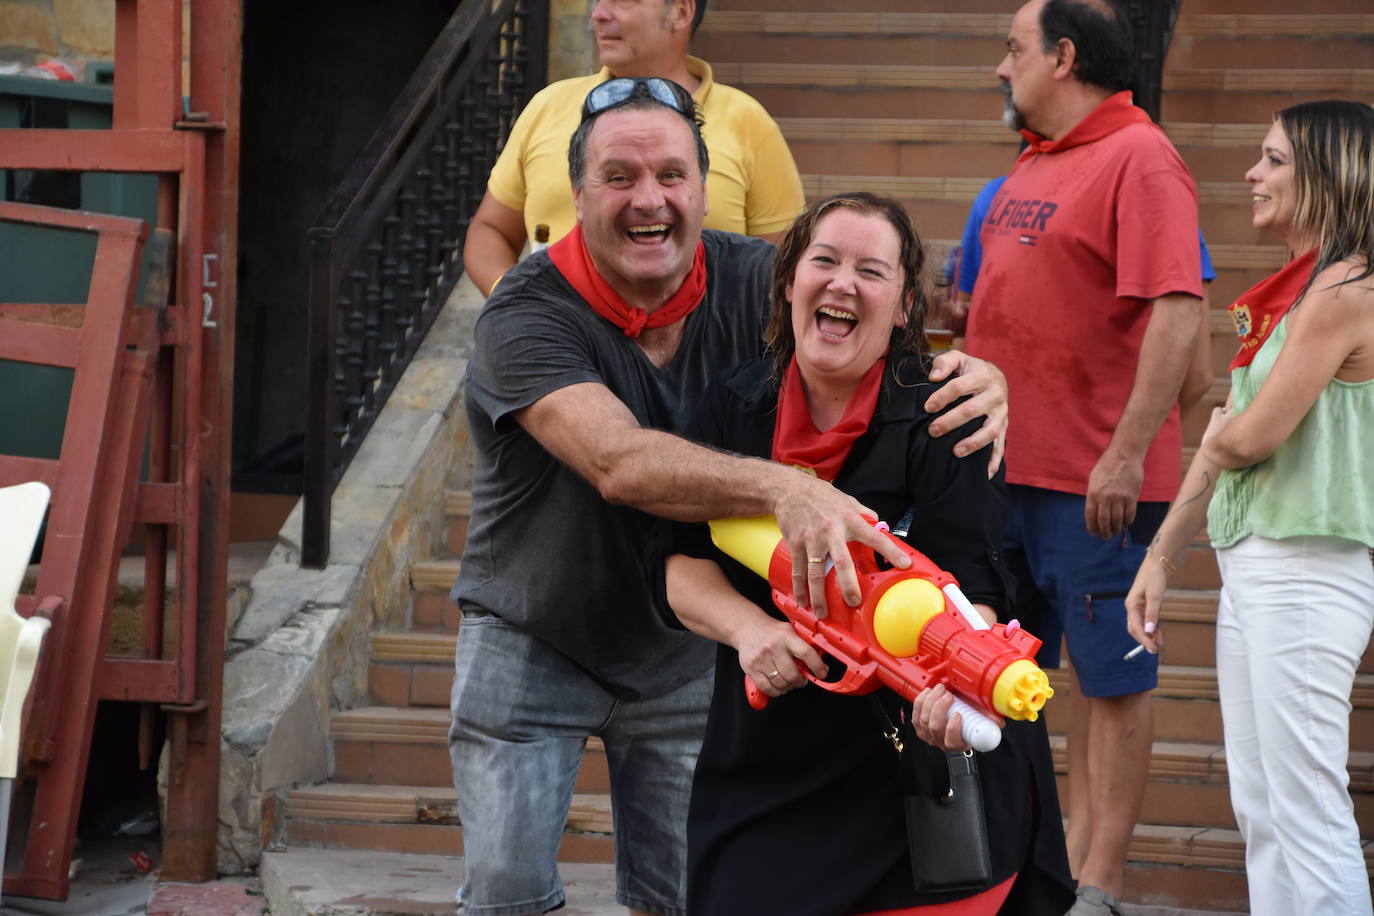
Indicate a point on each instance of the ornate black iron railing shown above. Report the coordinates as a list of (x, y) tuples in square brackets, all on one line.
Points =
[(1153, 23), (387, 250)]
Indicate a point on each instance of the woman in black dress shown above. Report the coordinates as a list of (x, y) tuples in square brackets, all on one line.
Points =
[(796, 809)]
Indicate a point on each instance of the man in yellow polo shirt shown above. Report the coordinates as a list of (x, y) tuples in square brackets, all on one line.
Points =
[(753, 187)]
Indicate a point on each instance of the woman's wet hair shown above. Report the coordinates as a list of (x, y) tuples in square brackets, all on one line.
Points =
[(908, 339)]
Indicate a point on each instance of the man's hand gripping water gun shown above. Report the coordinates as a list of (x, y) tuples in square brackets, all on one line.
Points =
[(913, 629)]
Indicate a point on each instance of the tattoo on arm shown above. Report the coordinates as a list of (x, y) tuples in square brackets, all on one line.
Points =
[(1206, 485)]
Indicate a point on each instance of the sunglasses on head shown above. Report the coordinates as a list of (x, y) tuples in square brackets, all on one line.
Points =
[(613, 93)]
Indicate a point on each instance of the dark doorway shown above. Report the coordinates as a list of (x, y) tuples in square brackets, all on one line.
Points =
[(318, 75)]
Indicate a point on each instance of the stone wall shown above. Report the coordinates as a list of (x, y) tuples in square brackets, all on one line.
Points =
[(82, 31), (77, 32), (300, 648), (572, 50)]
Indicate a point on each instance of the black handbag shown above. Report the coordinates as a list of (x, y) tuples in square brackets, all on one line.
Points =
[(947, 831)]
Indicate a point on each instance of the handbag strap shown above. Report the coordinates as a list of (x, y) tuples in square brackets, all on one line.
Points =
[(922, 769)]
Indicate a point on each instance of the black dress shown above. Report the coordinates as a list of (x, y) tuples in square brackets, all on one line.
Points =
[(795, 810)]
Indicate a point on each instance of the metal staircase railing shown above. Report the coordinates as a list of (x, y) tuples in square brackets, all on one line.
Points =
[(387, 250), (1153, 23)]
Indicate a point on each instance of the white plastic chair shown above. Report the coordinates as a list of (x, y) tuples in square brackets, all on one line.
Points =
[(21, 516)]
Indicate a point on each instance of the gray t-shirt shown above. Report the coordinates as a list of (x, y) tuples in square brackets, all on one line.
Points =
[(544, 550)]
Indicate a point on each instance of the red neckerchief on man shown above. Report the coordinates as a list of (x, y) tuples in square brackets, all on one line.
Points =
[(1112, 113), (1258, 310), (569, 254), (797, 442)]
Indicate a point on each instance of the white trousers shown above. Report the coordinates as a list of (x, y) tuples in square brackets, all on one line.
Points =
[(1294, 619)]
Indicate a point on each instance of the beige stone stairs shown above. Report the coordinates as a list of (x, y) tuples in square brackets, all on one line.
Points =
[(901, 97), (392, 787)]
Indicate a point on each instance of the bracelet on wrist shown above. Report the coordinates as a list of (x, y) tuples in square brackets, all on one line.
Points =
[(1170, 567)]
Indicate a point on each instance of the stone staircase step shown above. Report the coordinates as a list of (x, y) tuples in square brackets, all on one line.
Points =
[(1200, 683), (876, 24), (589, 813), (1187, 710), (384, 745), (1328, 25), (859, 76), (457, 509), (1274, 79), (890, 7), (1237, 41), (350, 882), (411, 669), (942, 39), (425, 839), (1252, 96), (1188, 784), (431, 611), (434, 575)]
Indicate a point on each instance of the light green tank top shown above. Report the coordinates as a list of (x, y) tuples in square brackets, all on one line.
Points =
[(1318, 482)]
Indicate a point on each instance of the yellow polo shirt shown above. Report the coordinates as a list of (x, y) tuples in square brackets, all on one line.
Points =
[(753, 187)]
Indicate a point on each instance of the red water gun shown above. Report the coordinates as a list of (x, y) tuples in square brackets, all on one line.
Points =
[(913, 629)]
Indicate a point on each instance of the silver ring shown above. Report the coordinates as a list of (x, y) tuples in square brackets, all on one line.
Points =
[(773, 675)]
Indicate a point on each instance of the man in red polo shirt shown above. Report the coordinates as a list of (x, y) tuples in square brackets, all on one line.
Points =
[(1089, 299)]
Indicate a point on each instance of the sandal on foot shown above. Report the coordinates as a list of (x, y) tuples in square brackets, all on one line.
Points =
[(1094, 901)]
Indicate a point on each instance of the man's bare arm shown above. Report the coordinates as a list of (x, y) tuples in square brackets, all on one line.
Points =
[(588, 428), (1114, 485), (1199, 376), (495, 239)]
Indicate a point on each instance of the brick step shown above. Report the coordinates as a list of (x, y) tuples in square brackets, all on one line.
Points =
[(935, 39), (1188, 784), (384, 745), (457, 510), (1186, 707), (890, 7), (1328, 80), (1176, 889), (894, 47), (1215, 152), (1320, 49), (431, 611), (978, 100), (982, 76), (589, 813), (422, 819), (1249, 96), (955, 148), (1268, 7), (411, 669), (759, 22), (1327, 25)]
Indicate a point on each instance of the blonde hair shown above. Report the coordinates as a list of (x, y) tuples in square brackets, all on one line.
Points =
[(1333, 159)]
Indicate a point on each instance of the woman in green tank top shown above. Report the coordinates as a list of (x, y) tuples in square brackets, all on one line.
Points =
[(1284, 479)]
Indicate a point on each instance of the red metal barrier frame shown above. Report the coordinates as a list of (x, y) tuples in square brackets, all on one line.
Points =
[(190, 398)]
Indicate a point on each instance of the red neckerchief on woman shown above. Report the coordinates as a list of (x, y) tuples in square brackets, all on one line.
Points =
[(1258, 310), (797, 442), (569, 254), (1112, 113)]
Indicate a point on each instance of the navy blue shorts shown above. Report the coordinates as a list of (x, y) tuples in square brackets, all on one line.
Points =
[(1073, 585)]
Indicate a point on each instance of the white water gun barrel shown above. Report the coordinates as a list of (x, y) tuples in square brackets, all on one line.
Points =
[(981, 733)]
